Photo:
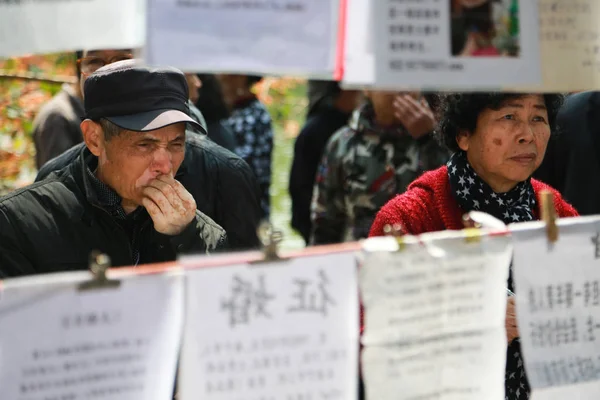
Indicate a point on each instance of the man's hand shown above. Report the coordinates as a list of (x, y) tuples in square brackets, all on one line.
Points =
[(415, 115), (512, 331), (171, 207)]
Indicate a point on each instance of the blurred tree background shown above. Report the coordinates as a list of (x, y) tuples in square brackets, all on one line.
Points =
[(26, 83)]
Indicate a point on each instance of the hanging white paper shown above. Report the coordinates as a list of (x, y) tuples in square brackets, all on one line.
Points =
[(434, 318), (427, 45), (570, 46), (280, 330), (46, 26), (59, 343), (359, 61), (558, 307), (265, 36)]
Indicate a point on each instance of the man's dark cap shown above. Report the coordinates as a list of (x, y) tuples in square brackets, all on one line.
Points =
[(137, 97)]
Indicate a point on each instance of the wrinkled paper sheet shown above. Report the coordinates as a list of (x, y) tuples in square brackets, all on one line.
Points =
[(558, 307), (282, 330), (434, 317), (48, 26)]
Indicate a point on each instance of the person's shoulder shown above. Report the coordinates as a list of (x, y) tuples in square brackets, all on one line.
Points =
[(59, 162), (59, 106), (341, 139), (55, 193), (202, 148), (415, 208), (562, 207)]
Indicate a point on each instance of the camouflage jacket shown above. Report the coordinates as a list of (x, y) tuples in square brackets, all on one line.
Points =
[(363, 167)]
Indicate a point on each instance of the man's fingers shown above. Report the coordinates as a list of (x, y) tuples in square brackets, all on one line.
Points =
[(185, 196), (151, 207), (158, 198), (167, 190)]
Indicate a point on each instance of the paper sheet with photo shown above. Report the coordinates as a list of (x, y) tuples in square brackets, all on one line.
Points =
[(558, 307), (570, 46), (279, 330), (429, 45), (36, 27), (57, 342), (434, 317), (263, 37)]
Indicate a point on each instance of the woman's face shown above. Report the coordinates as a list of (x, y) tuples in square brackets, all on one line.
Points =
[(508, 144)]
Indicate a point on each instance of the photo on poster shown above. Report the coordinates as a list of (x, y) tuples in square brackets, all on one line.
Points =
[(485, 28)]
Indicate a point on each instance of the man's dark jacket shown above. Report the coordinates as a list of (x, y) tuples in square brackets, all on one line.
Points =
[(55, 224), (222, 184)]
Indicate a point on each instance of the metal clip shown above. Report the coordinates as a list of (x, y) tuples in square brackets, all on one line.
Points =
[(549, 215), (270, 239), (99, 264)]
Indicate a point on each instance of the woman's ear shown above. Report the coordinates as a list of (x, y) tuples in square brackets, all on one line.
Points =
[(93, 136), (462, 139)]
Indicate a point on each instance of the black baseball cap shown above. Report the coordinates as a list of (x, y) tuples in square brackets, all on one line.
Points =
[(137, 97)]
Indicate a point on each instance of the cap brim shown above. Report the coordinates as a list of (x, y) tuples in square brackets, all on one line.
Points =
[(152, 120)]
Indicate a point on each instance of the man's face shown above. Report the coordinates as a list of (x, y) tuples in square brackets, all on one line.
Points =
[(129, 161), (93, 60)]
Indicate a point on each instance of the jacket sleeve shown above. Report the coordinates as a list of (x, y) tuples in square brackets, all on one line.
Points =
[(202, 235), (13, 259), (328, 207)]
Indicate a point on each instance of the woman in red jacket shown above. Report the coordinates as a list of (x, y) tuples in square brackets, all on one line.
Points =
[(498, 140)]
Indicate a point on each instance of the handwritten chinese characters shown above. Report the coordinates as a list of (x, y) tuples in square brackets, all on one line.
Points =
[(558, 303), (433, 311), (286, 330), (63, 344)]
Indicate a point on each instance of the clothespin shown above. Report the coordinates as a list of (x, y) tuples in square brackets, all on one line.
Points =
[(270, 239), (549, 215), (472, 229), (99, 264), (396, 231)]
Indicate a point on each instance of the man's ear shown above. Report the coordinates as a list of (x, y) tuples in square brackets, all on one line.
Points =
[(462, 139), (93, 136)]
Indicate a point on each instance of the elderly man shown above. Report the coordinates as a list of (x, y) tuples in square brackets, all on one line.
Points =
[(222, 184), (120, 195)]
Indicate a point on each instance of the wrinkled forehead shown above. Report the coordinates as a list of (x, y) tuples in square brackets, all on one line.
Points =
[(519, 100), (106, 53)]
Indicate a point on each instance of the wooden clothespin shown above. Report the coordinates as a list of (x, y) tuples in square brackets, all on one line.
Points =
[(99, 264), (472, 229), (270, 239), (396, 231), (549, 215)]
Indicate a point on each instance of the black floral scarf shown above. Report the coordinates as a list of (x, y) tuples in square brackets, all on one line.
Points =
[(517, 205)]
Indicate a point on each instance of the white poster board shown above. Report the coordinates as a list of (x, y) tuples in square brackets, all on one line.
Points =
[(263, 37), (36, 27), (57, 342), (558, 307), (434, 317), (280, 330)]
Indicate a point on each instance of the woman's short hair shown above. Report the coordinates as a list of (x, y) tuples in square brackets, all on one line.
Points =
[(459, 112)]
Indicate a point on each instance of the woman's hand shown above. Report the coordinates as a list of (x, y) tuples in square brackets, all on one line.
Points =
[(512, 330)]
